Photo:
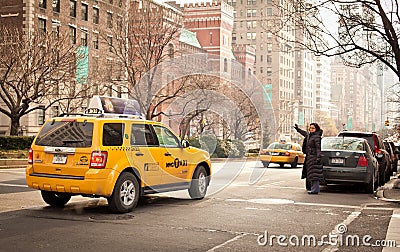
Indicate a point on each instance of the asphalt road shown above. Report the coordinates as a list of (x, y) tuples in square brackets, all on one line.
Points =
[(248, 208)]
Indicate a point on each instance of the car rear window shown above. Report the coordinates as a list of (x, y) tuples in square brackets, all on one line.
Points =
[(69, 134), (280, 146), (342, 144), (368, 137)]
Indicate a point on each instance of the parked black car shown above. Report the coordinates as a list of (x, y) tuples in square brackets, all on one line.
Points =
[(392, 154), (377, 147), (349, 160)]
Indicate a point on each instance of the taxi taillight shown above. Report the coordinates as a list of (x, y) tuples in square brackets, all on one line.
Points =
[(98, 159), (30, 156), (287, 153)]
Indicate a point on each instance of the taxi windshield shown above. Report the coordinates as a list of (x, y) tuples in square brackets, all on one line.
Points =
[(282, 146)]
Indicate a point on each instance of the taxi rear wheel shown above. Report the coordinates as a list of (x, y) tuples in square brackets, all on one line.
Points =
[(265, 163), (199, 183), (125, 195), (55, 199), (294, 163)]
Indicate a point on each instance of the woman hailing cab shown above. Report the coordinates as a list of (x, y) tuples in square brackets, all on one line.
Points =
[(312, 168)]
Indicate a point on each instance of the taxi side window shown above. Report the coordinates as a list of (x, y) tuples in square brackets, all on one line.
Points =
[(113, 134), (165, 137), (142, 134)]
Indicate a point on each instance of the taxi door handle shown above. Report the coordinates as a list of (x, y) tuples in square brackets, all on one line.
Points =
[(167, 154), (139, 154)]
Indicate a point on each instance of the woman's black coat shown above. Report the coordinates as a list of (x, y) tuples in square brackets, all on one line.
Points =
[(312, 168)]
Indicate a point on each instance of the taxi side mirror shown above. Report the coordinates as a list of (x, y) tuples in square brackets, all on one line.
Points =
[(185, 143)]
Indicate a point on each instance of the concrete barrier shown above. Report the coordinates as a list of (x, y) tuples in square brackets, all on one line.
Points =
[(13, 163)]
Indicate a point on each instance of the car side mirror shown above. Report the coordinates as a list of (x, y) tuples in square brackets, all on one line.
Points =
[(185, 143)]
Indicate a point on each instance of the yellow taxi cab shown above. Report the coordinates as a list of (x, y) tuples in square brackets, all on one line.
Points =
[(110, 151), (282, 153)]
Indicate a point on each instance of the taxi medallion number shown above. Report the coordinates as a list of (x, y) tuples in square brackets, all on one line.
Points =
[(59, 159)]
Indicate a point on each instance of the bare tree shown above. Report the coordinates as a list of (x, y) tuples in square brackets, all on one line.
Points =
[(35, 70), (361, 32), (141, 42)]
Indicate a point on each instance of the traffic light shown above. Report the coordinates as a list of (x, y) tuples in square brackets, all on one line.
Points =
[(387, 123)]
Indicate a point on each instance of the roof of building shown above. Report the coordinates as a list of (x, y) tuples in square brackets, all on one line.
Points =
[(189, 37)]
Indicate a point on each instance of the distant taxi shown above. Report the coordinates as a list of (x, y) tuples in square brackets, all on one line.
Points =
[(282, 153)]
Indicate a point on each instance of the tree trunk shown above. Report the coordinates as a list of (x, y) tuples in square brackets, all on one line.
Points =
[(14, 126)]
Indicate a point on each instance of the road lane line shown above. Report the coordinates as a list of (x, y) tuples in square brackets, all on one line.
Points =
[(227, 242), (346, 223)]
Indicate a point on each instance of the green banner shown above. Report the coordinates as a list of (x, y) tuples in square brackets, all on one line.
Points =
[(82, 64), (268, 95)]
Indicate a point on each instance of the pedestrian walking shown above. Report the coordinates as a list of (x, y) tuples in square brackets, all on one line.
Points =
[(312, 168)]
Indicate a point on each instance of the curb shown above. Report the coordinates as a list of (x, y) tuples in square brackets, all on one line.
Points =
[(391, 185), (13, 163)]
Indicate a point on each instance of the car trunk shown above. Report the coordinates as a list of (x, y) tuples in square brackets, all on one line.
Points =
[(341, 158), (63, 147)]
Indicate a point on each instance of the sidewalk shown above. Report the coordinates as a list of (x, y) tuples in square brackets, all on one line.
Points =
[(390, 191)]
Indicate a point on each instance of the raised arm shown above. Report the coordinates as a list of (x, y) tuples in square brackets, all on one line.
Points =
[(302, 132)]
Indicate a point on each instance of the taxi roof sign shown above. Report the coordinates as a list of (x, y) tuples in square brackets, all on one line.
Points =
[(114, 106)]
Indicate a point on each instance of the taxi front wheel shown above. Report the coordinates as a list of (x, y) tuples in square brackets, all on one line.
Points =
[(125, 195), (198, 186), (55, 199)]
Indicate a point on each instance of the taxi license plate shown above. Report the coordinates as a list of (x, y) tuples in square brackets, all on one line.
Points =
[(59, 159), (274, 153), (337, 161)]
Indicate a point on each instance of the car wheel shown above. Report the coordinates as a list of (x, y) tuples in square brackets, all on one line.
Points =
[(381, 178), (282, 165), (265, 164), (55, 199), (125, 195), (369, 187), (294, 164), (199, 183), (376, 183), (308, 185)]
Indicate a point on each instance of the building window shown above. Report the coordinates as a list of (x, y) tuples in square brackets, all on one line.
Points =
[(83, 38), (248, 13), (55, 31), (95, 41), (110, 43), (84, 12), (269, 11), (225, 65), (56, 6), (42, 26), (120, 3), (109, 20), (42, 4), (119, 23), (95, 16), (41, 115), (72, 8), (171, 50), (111, 1), (72, 34)]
